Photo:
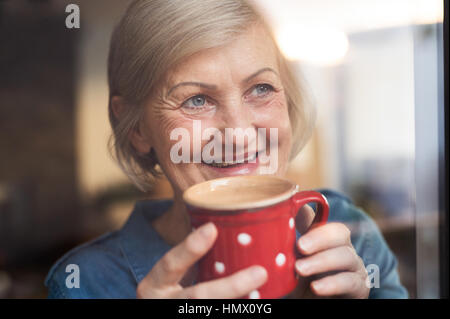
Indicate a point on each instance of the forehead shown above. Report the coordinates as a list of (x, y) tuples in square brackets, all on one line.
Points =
[(248, 52)]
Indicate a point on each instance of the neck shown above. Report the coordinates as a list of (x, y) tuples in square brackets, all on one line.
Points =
[(174, 225)]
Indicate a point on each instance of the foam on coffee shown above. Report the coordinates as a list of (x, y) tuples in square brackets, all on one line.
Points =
[(239, 192)]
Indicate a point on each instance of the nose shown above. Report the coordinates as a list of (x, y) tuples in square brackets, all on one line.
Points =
[(234, 114), (237, 125)]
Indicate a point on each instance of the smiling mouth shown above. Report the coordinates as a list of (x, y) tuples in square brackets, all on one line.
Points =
[(233, 163)]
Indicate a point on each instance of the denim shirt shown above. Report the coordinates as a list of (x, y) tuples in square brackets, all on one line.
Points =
[(112, 265)]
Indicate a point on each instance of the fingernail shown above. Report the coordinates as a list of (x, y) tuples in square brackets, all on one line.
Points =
[(303, 267), (207, 230), (319, 285), (258, 272), (305, 243)]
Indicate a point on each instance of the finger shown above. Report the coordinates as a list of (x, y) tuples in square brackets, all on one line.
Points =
[(349, 284), (304, 218), (175, 263), (238, 285), (324, 237), (339, 258)]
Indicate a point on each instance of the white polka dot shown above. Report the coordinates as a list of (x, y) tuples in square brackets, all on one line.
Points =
[(291, 222), (254, 294), (220, 267), (280, 259), (244, 239)]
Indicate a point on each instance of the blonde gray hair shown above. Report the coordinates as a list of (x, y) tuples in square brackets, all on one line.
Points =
[(151, 38)]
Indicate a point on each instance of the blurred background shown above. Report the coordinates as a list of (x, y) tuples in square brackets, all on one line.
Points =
[(375, 70)]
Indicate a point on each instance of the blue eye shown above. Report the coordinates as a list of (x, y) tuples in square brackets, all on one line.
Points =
[(198, 100), (262, 89), (197, 104), (195, 101)]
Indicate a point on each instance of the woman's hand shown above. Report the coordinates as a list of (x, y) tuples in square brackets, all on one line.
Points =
[(327, 253), (163, 281)]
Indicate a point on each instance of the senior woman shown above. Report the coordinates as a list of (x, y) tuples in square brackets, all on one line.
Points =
[(173, 62)]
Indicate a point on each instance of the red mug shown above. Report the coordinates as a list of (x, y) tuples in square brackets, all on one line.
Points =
[(255, 219)]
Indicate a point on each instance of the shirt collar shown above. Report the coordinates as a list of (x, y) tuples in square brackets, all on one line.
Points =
[(141, 245)]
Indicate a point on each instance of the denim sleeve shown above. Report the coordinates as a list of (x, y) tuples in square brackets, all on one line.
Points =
[(103, 272), (101, 275), (378, 258), (366, 238), (54, 292)]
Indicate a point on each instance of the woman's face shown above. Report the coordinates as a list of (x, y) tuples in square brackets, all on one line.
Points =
[(234, 86)]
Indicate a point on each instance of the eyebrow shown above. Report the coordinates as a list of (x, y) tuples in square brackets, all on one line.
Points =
[(199, 84), (212, 86), (247, 79)]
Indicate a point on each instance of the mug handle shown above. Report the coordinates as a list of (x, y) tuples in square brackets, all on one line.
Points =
[(302, 198)]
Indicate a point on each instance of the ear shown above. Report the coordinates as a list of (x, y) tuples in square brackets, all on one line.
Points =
[(137, 136)]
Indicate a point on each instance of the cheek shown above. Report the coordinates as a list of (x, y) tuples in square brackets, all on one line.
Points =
[(274, 114), (159, 126), (179, 174)]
